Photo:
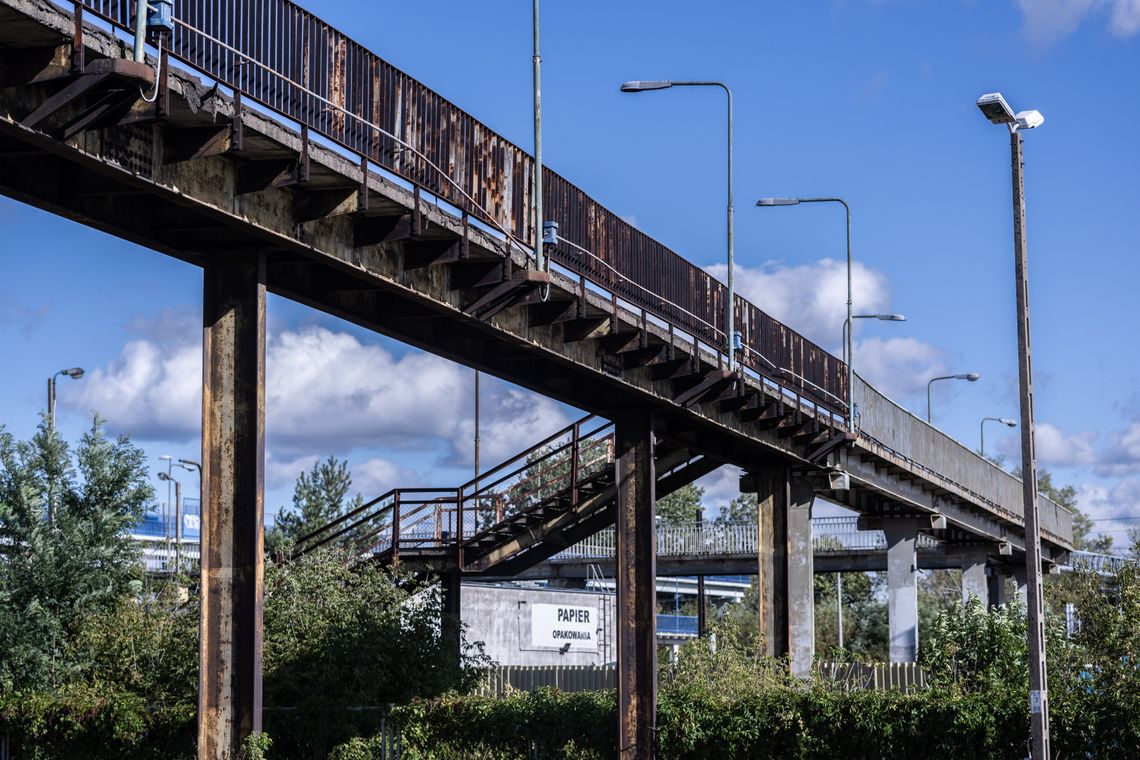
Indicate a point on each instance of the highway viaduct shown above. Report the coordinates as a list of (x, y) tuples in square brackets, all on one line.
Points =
[(279, 156)]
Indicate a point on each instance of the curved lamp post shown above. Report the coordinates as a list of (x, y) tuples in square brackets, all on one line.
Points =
[(1003, 420), (731, 337), (972, 377), (766, 202)]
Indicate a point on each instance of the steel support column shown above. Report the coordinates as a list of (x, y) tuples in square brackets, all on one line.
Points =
[(636, 586), (902, 588), (233, 447), (974, 573)]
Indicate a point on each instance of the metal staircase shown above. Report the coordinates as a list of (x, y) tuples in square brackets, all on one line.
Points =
[(519, 513)]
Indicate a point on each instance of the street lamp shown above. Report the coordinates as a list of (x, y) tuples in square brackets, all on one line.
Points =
[(177, 519), (972, 377), (995, 108), (880, 317), (74, 373), (1003, 420), (766, 202), (166, 507), (730, 334)]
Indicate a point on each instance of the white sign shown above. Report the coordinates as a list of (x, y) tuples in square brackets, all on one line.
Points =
[(554, 626)]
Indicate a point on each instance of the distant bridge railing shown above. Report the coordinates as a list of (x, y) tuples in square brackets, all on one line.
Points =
[(1104, 564), (693, 539), (885, 424), (278, 54)]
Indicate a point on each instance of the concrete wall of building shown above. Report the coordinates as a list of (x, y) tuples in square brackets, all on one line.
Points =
[(502, 616)]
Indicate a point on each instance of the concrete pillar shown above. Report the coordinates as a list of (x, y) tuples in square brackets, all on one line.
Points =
[(995, 584), (1022, 586), (233, 464), (772, 521), (450, 624), (801, 578), (902, 588), (974, 573), (636, 586)]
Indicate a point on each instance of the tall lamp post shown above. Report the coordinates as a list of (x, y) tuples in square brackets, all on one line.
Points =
[(994, 108), (731, 337), (1003, 420), (74, 373), (972, 377), (177, 519), (766, 202)]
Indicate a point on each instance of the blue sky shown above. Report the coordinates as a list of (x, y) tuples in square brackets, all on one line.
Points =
[(872, 100)]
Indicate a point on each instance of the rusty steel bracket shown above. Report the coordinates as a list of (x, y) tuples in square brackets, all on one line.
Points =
[(843, 438), (714, 381), (507, 293)]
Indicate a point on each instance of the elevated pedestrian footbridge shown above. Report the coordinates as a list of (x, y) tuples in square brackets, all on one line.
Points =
[(280, 156)]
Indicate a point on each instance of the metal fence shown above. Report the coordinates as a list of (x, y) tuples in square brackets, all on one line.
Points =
[(276, 53), (829, 534), (879, 676)]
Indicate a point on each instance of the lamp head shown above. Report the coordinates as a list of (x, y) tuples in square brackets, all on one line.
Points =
[(74, 373), (164, 476), (891, 317), (778, 202), (1029, 119), (973, 377), (994, 108), (1008, 421), (638, 85)]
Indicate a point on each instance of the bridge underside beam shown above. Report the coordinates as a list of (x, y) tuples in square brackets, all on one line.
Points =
[(233, 444)]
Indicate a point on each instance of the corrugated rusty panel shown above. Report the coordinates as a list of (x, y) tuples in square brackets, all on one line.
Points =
[(289, 60)]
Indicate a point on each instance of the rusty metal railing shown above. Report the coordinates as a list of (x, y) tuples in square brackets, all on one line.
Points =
[(285, 58)]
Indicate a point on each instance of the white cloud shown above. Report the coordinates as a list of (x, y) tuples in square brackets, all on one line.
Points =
[(1114, 508), (377, 476), (326, 393), (897, 367), (810, 298), (1122, 455), (1047, 21), (1054, 447)]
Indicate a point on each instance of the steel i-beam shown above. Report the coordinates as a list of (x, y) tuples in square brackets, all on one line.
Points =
[(233, 447), (636, 586)]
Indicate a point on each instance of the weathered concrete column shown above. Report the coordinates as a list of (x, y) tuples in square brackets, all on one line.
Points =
[(636, 586), (772, 521), (451, 621), (974, 573), (1022, 586), (233, 461), (995, 584), (801, 577), (902, 588)]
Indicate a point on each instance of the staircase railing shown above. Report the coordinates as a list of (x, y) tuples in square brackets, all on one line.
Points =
[(426, 519)]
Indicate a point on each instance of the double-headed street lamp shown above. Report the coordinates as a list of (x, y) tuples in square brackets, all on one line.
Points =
[(994, 107), (1003, 420), (731, 337), (177, 519), (972, 377), (74, 373), (765, 202)]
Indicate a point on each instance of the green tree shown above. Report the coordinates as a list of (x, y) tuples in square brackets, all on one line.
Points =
[(319, 497), (681, 506), (864, 616), (82, 562), (740, 509)]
